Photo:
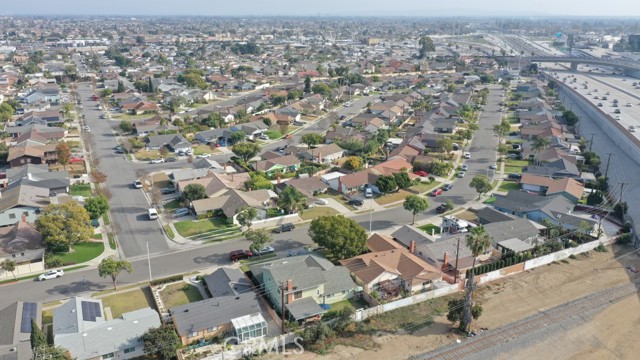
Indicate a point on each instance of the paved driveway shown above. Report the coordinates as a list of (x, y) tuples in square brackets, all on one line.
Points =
[(128, 205)]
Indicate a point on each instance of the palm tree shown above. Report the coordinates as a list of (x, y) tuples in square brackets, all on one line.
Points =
[(478, 241), (291, 200), (540, 143)]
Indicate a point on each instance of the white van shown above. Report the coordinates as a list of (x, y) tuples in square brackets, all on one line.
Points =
[(153, 214)]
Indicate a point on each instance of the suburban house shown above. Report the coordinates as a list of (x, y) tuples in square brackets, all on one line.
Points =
[(280, 164), (557, 169), (214, 183), (21, 243), (32, 153), (326, 154), (309, 284), (51, 133), (251, 129), (288, 112), (232, 299), (153, 124), (356, 181), (556, 209), (15, 333), (174, 142), (42, 118), (390, 272), (567, 187), (308, 186), (22, 200), (44, 92), (140, 107), (232, 201), (80, 326)]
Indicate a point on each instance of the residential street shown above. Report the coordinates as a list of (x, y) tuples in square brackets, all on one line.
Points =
[(128, 207)]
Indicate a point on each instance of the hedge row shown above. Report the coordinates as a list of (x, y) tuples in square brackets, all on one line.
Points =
[(166, 280), (507, 261)]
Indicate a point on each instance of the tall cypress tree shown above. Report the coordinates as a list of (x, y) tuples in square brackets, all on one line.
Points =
[(37, 338)]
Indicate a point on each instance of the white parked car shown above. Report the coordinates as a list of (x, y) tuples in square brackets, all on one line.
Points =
[(51, 274), (493, 166), (467, 155), (464, 167), (157, 161), (137, 184), (204, 156), (264, 137)]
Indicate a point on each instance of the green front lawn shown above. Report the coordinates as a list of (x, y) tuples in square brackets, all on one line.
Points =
[(273, 134), (315, 212), (424, 187), (514, 166), (508, 185), (490, 200), (83, 252), (179, 294), (173, 204), (169, 232), (202, 149), (430, 227), (188, 228), (129, 301), (80, 190)]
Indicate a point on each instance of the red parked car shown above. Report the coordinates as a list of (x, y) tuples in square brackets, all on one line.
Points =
[(421, 173), (236, 255), (436, 192)]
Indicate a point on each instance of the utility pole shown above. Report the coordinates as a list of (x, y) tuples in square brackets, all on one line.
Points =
[(606, 171), (282, 291), (455, 273), (591, 142)]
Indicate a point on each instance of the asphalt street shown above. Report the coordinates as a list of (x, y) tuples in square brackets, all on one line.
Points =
[(129, 204)]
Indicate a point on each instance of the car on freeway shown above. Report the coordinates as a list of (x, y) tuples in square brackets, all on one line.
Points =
[(265, 251), (421, 173), (355, 202), (284, 228), (236, 255), (461, 174), (157, 161), (441, 208), (51, 274), (447, 187), (137, 184), (436, 192), (467, 155)]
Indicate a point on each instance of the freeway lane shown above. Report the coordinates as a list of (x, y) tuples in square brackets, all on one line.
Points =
[(128, 206), (206, 256)]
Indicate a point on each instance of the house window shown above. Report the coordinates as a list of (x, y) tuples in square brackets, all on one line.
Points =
[(297, 294), (25, 213), (193, 334), (129, 350), (108, 356), (12, 216), (211, 329)]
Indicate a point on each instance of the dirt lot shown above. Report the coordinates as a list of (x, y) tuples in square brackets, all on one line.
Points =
[(606, 336)]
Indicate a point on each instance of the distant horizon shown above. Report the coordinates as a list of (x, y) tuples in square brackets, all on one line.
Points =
[(326, 8)]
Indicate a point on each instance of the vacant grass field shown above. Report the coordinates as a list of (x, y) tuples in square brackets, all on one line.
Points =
[(430, 227), (315, 212), (188, 228), (128, 301), (179, 294), (508, 185), (393, 197), (410, 318), (83, 252), (80, 190)]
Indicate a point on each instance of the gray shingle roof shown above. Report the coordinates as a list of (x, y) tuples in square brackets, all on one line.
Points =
[(304, 308)]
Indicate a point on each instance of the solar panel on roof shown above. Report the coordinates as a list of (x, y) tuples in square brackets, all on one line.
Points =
[(96, 309), (88, 311), (29, 311)]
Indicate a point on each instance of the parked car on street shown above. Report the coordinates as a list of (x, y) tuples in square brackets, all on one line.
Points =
[(447, 187), (467, 155), (171, 159), (464, 167), (236, 255), (493, 166), (441, 208), (137, 184), (436, 192), (157, 161), (284, 228), (265, 251), (461, 174), (51, 274)]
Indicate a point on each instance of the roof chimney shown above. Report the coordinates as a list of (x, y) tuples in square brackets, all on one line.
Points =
[(412, 246), (445, 261)]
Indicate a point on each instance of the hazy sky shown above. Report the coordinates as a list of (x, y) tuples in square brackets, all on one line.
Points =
[(324, 7)]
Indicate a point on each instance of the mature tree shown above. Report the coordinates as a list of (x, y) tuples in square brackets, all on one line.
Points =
[(456, 307), (353, 163), (37, 338), (97, 177), (259, 239), (9, 265), (213, 120), (64, 225), (194, 192), (307, 84), (176, 102), (444, 145), (426, 45), (238, 137), (6, 111), (415, 204), (502, 130), (322, 89), (246, 151), (478, 241), (402, 180), (51, 352), (291, 200), (126, 126), (386, 184), (341, 236), (66, 111), (312, 139), (503, 149), (539, 144), (161, 342), (110, 267), (258, 181), (294, 94), (278, 100), (106, 93), (121, 88), (245, 217), (482, 184), (64, 153), (96, 206)]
